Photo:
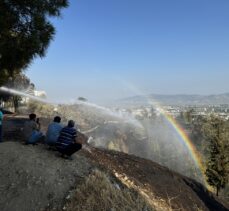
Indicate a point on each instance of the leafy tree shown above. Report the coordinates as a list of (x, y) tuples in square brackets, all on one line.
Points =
[(82, 99), (4, 75), (217, 172), (25, 32), (187, 116), (18, 82), (197, 132)]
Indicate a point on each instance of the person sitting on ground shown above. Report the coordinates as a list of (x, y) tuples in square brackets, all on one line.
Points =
[(53, 131), (67, 141), (32, 130), (1, 119)]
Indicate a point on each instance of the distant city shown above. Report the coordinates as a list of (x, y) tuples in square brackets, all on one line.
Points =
[(196, 105), (148, 111)]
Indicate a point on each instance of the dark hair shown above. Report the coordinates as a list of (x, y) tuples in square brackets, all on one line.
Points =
[(71, 123), (32, 116), (57, 119)]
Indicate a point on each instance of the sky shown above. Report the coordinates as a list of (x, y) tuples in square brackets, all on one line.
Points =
[(105, 50)]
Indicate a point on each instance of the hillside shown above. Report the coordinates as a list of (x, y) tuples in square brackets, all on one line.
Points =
[(33, 178), (181, 99)]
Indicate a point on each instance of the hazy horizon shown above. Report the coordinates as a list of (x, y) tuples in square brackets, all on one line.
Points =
[(109, 50)]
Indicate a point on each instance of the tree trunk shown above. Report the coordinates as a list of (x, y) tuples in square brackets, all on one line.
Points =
[(16, 103)]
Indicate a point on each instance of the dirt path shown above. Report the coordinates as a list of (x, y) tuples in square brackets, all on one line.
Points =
[(33, 178)]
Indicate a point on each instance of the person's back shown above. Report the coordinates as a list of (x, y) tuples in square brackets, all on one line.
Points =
[(31, 130), (29, 127), (53, 131), (67, 137), (66, 143), (1, 119)]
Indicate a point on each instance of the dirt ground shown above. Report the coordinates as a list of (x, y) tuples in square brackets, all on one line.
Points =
[(34, 178)]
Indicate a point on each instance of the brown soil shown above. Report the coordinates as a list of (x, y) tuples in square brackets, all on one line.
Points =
[(155, 181), (33, 178)]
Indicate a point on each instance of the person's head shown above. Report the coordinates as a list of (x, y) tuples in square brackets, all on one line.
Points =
[(71, 123), (57, 119), (32, 117)]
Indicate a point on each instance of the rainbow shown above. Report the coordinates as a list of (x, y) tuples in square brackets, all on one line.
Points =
[(195, 155)]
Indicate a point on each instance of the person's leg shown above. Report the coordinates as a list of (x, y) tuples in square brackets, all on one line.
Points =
[(50, 142), (72, 148), (35, 137), (60, 150), (0, 133), (51, 146)]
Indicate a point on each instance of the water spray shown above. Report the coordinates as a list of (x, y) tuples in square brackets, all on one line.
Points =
[(20, 93), (128, 118), (119, 115)]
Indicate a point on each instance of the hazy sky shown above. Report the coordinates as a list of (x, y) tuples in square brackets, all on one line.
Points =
[(109, 49)]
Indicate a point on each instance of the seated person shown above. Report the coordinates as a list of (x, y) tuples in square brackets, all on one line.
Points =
[(1, 119), (32, 132), (67, 143), (53, 131)]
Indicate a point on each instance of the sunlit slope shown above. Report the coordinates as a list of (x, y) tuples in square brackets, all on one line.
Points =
[(34, 178)]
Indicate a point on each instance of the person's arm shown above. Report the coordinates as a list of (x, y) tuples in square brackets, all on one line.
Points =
[(35, 126), (38, 124), (81, 138), (1, 116), (79, 141)]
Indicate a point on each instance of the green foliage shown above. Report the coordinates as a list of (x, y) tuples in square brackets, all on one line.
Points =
[(18, 81), (82, 99), (217, 172), (187, 116), (4, 75), (197, 133), (25, 32)]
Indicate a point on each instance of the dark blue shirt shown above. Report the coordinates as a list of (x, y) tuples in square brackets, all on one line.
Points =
[(67, 137)]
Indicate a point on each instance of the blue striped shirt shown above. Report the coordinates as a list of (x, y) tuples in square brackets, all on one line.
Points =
[(67, 137)]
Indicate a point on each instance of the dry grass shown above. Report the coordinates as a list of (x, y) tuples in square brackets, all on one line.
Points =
[(100, 193), (159, 204)]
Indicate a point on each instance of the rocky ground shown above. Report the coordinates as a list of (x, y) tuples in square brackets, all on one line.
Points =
[(34, 178)]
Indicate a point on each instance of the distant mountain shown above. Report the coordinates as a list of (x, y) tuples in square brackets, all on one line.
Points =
[(180, 99)]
